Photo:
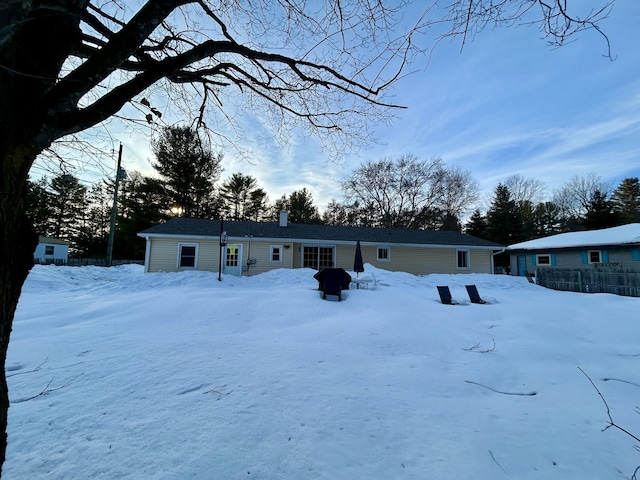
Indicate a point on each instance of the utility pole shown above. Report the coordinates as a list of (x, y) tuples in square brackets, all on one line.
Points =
[(120, 173)]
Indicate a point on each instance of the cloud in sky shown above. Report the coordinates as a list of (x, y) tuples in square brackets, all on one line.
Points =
[(506, 104)]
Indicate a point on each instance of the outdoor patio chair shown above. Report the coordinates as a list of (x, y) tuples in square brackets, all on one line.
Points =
[(474, 296), (445, 295)]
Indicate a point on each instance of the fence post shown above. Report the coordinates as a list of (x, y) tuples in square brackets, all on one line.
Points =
[(580, 282)]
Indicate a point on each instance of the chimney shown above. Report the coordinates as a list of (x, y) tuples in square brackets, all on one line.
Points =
[(283, 218)]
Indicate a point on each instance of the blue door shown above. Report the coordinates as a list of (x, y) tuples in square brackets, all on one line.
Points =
[(522, 265)]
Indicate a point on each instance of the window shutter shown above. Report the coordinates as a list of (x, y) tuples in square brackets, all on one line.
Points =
[(604, 254), (585, 257), (553, 259), (635, 254), (533, 260)]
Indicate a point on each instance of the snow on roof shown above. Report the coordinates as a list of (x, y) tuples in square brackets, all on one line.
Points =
[(622, 235)]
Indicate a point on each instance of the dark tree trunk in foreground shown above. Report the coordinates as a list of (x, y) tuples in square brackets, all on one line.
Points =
[(17, 243)]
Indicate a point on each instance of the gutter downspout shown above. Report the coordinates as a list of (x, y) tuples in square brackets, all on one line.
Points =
[(147, 254)]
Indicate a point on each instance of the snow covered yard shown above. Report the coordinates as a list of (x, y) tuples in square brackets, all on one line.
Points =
[(118, 374)]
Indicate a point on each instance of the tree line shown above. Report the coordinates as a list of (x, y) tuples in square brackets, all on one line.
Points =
[(518, 210), (405, 192)]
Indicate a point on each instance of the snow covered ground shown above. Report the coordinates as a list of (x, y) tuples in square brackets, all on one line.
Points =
[(117, 374)]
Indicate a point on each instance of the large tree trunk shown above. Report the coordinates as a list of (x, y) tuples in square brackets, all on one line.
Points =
[(17, 244)]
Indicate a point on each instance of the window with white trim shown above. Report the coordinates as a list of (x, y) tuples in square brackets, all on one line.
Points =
[(384, 254), (49, 249), (594, 256), (462, 259), (543, 259), (275, 253), (187, 255), (317, 257)]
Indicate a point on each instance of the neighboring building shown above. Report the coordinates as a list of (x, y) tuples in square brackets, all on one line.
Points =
[(256, 247), (617, 247), (51, 250)]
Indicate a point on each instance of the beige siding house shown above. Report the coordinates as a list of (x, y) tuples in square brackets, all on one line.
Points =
[(256, 247)]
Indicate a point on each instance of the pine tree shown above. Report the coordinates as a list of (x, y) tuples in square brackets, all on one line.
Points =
[(39, 206), (504, 218), (188, 168), (301, 208), (476, 226), (600, 212), (68, 202), (236, 193), (626, 199)]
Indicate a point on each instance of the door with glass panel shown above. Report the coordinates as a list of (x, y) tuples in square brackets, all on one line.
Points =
[(232, 263), (317, 257)]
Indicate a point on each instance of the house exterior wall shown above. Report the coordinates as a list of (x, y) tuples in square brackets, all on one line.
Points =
[(423, 261), (627, 257), (163, 256), (260, 251)]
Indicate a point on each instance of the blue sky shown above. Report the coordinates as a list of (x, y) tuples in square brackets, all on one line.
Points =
[(508, 103)]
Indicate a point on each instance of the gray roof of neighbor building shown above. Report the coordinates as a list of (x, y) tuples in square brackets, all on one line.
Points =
[(297, 231)]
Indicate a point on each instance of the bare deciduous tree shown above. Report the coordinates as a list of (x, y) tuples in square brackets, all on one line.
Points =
[(525, 190), (459, 192), (574, 197), (398, 191)]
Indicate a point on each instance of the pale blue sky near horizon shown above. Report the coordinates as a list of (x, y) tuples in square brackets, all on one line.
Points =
[(507, 104)]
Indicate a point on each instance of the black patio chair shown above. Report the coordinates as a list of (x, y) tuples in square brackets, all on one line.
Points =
[(474, 296), (445, 295)]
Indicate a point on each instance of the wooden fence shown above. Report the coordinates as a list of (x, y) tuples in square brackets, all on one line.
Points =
[(81, 262), (590, 280)]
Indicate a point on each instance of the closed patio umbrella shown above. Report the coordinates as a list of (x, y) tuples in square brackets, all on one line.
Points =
[(358, 264)]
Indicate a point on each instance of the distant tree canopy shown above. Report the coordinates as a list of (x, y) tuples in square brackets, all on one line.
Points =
[(409, 193), (242, 198), (300, 207), (582, 203)]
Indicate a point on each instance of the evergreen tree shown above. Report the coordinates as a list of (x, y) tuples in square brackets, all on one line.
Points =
[(143, 204), (504, 218), (626, 199), (547, 219), (600, 212), (299, 206), (39, 206), (188, 168), (68, 202), (476, 226), (94, 232), (236, 194), (258, 207)]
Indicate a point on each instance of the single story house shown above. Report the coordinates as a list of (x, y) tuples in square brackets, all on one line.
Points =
[(51, 250), (616, 246), (255, 247)]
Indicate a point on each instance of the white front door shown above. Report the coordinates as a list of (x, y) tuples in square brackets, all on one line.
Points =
[(232, 260)]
